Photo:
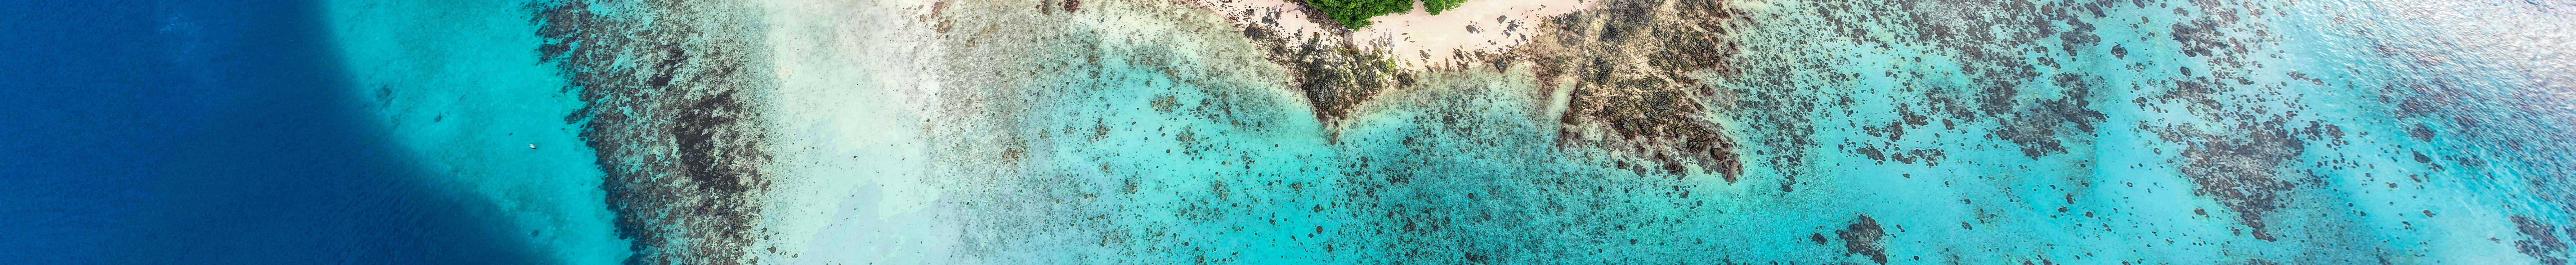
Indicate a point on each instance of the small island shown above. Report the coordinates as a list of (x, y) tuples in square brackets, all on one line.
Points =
[(1354, 14)]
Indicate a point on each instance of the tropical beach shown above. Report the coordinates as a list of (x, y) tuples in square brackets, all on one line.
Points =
[(1124, 131), (1312, 132)]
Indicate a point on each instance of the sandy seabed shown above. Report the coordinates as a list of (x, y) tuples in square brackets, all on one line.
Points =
[(1111, 131)]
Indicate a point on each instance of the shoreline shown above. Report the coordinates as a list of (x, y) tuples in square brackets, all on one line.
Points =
[(1414, 40), (1147, 131), (772, 71)]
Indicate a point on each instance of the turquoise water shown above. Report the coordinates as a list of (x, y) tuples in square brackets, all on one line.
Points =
[(2154, 132), (462, 87), (1148, 132)]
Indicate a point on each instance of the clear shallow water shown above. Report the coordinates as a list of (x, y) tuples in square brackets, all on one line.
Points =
[(1971, 132), (462, 88), (1908, 132)]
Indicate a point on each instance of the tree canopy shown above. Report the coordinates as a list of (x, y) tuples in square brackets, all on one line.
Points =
[(1355, 13), (1435, 6)]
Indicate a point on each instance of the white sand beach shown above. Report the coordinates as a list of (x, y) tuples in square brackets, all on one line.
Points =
[(865, 91), (1417, 39)]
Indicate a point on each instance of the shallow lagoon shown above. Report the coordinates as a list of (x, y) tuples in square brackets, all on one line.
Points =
[(1158, 132)]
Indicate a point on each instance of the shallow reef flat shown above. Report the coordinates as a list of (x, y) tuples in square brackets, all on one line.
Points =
[(1620, 131)]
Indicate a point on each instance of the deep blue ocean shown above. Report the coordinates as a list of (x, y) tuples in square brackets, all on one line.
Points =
[(200, 132), (1146, 132)]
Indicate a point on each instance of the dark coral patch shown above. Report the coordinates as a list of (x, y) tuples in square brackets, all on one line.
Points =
[(668, 117), (2543, 245), (1864, 237)]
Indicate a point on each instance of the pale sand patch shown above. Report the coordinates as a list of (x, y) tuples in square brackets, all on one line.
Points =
[(857, 80), (857, 171), (1417, 39), (851, 183)]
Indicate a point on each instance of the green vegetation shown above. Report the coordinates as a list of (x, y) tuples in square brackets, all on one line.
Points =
[(1441, 5), (1355, 13)]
